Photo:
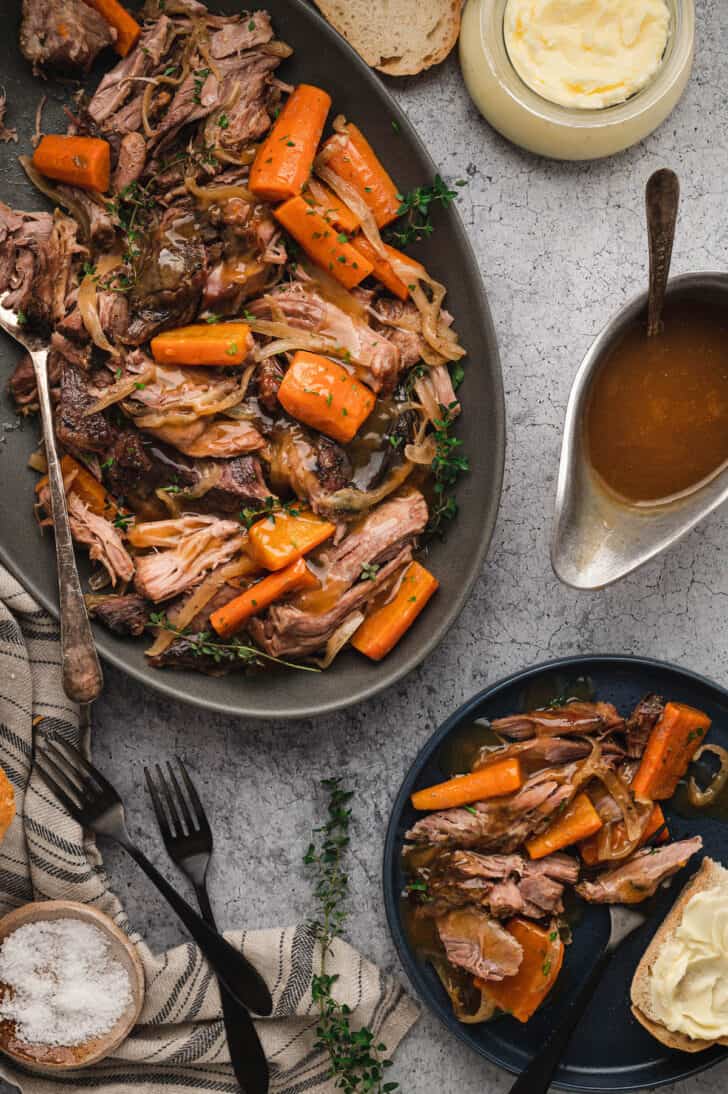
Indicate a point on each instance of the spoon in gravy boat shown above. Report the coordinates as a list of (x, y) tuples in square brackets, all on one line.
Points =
[(598, 535), (662, 197)]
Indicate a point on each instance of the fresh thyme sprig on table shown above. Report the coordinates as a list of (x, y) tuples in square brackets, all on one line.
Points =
[(414, 212), (204, 644), (357, 1062)]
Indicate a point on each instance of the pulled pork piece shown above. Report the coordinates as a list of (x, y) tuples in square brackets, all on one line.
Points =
[(172, 270), (102, 539), (640, 724), (130, 162), (301, 307), (22, 384), (573, 717), (122, 81), (127, 462), (36, 250), (123, 615), (545, 751), (63, 34), (314, 468), (479, 944), (189, 547), (216, 438), (383, 541), (435, 391), (77, 430), (639, 877), (7, 134), (92, 212), (268, 376), (501, 823), (504, 885)]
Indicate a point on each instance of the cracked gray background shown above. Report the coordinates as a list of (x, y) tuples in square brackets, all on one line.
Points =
[(560, 246)]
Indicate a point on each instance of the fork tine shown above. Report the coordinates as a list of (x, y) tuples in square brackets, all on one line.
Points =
[(197, 805), (65, 799), (87, 768), (181, 800), (76, 779), (177, 828), (158, 807)]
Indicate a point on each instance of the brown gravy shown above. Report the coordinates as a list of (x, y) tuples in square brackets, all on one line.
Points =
[(657, 418)]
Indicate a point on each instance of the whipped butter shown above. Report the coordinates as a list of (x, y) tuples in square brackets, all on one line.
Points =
[(586, 54), (689, 979)]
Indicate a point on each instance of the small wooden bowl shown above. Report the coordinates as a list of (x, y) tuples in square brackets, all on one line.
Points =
[(53, 1058)]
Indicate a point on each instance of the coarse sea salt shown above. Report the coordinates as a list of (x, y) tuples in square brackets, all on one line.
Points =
[(66, 985)]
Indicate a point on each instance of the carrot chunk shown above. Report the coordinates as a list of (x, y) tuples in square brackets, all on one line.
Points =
[(383, 627), (330, 206), (589, 849), (578, 821), (321, 393), (79, 481), (278, 540), (321, 242), (284, 160), (543, 955), (230, 618), (382, 269), (499, 778), (675, 739), (78, 161), (126, 27), (203, 344), (352, 157)]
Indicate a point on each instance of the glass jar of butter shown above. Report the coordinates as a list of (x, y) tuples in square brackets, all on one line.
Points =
[(559, 131)]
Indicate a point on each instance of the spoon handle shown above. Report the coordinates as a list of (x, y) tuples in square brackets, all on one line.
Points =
[(662, 197), (82, 679)]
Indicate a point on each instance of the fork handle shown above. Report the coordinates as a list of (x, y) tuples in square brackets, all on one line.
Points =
[(82, 678), (246, 1052), (536, 1079), (244, 982)]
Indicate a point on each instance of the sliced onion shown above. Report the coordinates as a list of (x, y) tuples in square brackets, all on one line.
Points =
[(37, 461), (88, 302), (700, 798), (183, 615), (339, 639), (423, 452), (118, 391), (211, 194), (41, 183), (351, 500), (188, 410), (210, 472)]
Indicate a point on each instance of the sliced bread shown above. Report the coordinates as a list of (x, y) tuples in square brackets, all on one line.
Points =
[(710, 875), (399, 37)]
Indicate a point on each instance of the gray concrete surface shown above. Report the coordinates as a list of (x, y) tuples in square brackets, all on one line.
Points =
[(560, 247)]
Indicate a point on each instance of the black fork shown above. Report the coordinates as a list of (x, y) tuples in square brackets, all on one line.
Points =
[(95, 804), (188, 838)]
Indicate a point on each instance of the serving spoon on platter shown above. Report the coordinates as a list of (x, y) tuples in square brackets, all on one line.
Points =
[(537, 1076), (82, 677)]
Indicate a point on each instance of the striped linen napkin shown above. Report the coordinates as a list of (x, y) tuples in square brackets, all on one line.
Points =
[(179, 1044)]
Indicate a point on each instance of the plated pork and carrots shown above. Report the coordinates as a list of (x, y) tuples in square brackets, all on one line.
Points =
[(254, 389), (561, 801)]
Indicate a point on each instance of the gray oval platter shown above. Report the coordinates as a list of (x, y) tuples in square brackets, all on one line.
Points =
[(321, 56)]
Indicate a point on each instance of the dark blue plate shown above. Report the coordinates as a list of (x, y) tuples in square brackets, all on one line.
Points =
[(610, 1050)]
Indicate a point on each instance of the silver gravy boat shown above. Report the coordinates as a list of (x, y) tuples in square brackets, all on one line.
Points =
[(598, 537)]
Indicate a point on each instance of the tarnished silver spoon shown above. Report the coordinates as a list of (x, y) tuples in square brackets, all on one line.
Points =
[(662, 197), (82, 678)]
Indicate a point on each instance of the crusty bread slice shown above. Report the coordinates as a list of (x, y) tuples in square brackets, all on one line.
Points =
[(710, 875), (399, 37)]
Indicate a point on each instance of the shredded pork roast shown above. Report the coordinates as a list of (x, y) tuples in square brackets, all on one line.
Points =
[(187, 459), (486, 876)]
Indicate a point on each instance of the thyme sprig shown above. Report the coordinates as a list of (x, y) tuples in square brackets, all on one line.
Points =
[(414, 221), (204, 644), (268, 508), (447, 467), (358, 1062)]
